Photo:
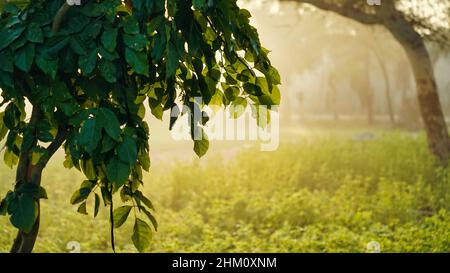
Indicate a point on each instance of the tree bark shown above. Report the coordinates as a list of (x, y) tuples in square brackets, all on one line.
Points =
[(428, 97), (27, 172)]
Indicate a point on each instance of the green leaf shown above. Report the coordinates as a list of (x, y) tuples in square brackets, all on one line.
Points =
[(136, 42), (120, 215), (9, 35), (90, 135), (106, 196), (109, 122), (23, 210), (55, 45), (92, 30), (109, 39), (131, 26), (199, 4), (144, 200), (156, 108), (87, 167), (80, 195), (96, 204), (49, 67), (23, 58), (117, 172), (3, 207), (127, 150), (144, 159), (160, 47), (108, 70), (34, 33), (142, 235), (87, 62), (76, 44), (6, 59), (201, 146), (76, 23), (151, 218), (82, 209), (231, 93), (238, 107), (34, 190), (93, 9), (138, 61), (172, 60)]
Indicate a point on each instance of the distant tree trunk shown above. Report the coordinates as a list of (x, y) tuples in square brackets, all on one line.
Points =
[(368, 92), (387, 87), (332, 98)]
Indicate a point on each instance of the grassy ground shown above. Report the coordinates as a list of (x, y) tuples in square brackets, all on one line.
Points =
[(315, 194)]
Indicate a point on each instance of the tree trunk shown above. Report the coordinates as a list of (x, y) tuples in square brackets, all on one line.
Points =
[(387, 87), (428, 97), (368, 92), (28, 173)]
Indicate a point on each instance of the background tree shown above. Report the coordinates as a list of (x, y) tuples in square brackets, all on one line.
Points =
[(86, 71), (411, 24)]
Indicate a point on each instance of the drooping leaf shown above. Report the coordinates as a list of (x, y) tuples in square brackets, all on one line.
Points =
[(109, 39), (9, 35), (137, 60), (109, 122), (90, 134), (6, 59), (96, 204), (121, 215), (80, 195), (82, 208), (151, 218), (201, 145), (24, 57), (108, 70), (34, 33), (142, 235), (127, 150), (49, 67), (117, 172), (23, 210), (88, 62)]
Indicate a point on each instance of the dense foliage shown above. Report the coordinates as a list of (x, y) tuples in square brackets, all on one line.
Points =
[(320, 194), (87, 74)]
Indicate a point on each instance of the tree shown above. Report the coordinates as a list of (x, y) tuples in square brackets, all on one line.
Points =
[(410, 23), (87, 71)]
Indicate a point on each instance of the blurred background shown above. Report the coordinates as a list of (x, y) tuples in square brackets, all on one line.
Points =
[(352, 168)]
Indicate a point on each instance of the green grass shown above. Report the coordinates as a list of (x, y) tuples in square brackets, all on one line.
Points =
[(315, 194)]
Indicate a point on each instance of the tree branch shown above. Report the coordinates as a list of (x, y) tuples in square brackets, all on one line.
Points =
[(347, 10), (59, 17), (57, 142)]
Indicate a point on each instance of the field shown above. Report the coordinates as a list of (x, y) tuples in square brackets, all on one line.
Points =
[(327, 193)]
